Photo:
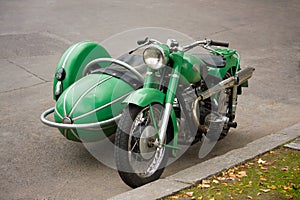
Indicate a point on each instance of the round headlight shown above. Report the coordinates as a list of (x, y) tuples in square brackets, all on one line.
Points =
[(154, 57)]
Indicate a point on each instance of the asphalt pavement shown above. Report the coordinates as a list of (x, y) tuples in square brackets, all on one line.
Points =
[(37, 162)]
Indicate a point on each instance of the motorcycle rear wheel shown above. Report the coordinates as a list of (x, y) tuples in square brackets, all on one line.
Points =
[(138, 160)]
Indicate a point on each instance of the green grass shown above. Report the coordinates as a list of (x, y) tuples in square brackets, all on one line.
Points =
[(273, 175)]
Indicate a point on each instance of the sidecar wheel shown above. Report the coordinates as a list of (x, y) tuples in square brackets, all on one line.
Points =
[(138, 160)]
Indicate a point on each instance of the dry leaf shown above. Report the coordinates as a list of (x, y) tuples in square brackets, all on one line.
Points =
[(286, 168), (263, 178), (265, 190), (189, 194), (203, 186), (286, 187), (296, 168), (205, 181), (264, 168), (249, 197), (261, 161), (216, 181), (272, 187), (258, 194), (241, 174)]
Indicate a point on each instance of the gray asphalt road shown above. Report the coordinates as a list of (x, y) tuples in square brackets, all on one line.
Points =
[(36, 162)]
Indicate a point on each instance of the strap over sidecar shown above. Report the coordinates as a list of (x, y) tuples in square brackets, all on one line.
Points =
[(120, 72)]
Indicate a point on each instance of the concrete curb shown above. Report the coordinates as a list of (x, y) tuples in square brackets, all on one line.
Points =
[(194, 174)]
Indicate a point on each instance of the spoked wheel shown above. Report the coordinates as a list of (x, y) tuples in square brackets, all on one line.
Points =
[(139, 160)]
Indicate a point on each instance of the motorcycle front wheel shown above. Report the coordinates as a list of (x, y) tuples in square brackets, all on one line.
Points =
[(138, 160)]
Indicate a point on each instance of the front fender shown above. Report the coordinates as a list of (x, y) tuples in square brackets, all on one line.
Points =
[(145, 96)]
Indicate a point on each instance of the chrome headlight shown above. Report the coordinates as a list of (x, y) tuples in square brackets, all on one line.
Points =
[(154, 57)]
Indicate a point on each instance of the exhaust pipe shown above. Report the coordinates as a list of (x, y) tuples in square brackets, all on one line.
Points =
[(236, 80)]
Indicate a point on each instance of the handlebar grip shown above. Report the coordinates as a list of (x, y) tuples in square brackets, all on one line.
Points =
[(221, 44), (140, 42)]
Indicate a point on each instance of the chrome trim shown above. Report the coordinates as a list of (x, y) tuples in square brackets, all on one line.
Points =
[(85, 93), (75, 126), (58, 88), (124, 64), (102, 107), (69, 53), (75, 135), (161, 50), (164, 123)]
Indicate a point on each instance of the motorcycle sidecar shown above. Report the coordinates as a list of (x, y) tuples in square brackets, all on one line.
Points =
[(89, 87)]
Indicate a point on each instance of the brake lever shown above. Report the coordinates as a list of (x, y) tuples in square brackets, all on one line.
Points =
[(141, 44)]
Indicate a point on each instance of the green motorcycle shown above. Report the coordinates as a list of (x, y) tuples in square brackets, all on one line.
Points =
[(149, 129), (155, 104)]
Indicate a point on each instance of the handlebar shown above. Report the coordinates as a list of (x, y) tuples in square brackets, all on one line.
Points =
[(221, 44), (206, 43), (140, 42)]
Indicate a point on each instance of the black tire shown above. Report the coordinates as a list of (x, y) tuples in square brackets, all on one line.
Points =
[(126, 135)]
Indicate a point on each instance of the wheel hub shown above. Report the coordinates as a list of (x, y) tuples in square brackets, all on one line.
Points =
[(146, 143)]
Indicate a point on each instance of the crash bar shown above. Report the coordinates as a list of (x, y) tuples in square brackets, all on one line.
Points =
[(75, 126)]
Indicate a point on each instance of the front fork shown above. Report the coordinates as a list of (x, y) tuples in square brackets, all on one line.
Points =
[(170, 96)]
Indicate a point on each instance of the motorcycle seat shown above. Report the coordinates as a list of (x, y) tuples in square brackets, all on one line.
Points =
[(212, 60)]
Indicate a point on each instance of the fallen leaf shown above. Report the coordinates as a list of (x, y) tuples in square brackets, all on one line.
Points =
[(286, 168), (218, 193), (258, 194), (263, 178), (261, 161), (249, 197), (286, 187), (241, 174), (174, 197), (264, 168), (221, 178), (216, 181), (205, 181), (203, 186), (200, 198), (272, 187), (265, 190), (189, 194), (296, 168)]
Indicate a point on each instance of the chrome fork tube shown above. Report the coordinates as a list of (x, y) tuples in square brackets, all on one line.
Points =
[(164, 123)]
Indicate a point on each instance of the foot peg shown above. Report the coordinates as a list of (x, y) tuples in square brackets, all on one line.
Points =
[(232, 124)]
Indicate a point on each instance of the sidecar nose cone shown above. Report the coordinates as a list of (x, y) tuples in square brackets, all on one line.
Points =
[(67, 120)]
